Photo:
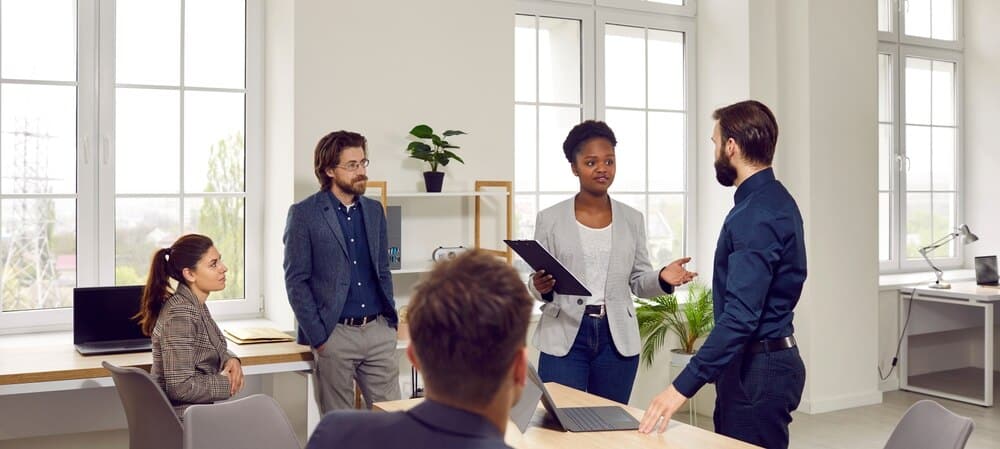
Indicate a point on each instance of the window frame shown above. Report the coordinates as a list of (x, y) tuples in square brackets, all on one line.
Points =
[(899, 47), (95, 194)]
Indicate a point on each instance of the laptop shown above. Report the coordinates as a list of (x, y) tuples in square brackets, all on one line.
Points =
[(986, 270), (102, 320), (573, 419)]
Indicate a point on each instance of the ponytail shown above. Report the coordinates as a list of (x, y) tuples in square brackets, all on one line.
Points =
[(167, 264)]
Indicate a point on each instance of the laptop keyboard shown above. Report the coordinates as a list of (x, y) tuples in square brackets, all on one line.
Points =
[(586, 418)]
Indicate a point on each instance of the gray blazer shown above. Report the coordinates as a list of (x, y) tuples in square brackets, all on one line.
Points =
[(629, 272), (317, 273)]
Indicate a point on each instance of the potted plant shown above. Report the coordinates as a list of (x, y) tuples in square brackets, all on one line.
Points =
[(437, 155), (663, 314)]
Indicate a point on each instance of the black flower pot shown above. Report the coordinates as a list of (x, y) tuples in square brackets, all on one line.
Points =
[(433, 180)]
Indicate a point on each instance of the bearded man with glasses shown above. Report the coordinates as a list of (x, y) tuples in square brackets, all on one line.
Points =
[(338, 280)]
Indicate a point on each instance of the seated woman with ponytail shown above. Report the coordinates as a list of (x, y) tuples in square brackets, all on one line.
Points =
[(190, 360)]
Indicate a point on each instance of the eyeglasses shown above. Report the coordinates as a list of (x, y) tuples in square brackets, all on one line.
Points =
[(354, 165)]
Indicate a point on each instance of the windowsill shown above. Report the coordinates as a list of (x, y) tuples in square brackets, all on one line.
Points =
[(895, 281)]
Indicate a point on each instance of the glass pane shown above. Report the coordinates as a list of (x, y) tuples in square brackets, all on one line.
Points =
[(918, 153), (38, 40), (884, 226), (943, 93), (147, 42), (665, 231), (943, 19), (630, 153), (214, 150), (37, 253), (558, 61), (222, 220), (943, 156), (918, 91), (38, 140), (547, 201), (885, 16), (215, 43), (524, 58), (668, 2), (885, 157), (525, 212), (884, 88), (554, 124), (625, 66), (525, 150), (918, 223), (147, 148), (635, 201), (944, 223), (142, 225), (666, 70), (917, 17), (666, 152)]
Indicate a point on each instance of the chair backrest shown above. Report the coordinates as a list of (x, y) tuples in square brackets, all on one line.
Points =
[(928, 425), (249, 423), (152, 423)]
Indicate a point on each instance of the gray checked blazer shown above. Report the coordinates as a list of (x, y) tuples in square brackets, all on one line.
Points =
[(629, 272), (189, 351)]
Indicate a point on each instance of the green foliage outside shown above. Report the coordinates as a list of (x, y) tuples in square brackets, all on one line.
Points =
[(222, 218)]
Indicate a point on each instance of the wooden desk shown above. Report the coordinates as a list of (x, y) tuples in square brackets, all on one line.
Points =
[(541, 434), (963, 315)]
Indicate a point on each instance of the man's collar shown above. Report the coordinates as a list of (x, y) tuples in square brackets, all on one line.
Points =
[(453, 420), (753, 184)]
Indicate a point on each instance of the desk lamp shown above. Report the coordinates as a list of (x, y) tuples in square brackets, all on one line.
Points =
[(967, 238)]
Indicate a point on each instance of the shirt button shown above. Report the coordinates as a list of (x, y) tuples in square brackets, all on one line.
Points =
[(352, 240), (579, 301), (348, 218), (355, 262), (360, 284), (362, 306)]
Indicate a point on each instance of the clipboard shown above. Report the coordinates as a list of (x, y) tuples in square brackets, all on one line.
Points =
[(540, 259)]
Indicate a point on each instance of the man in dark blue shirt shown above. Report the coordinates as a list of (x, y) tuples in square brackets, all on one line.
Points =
[(338, 280), (760, 266), (468, 325)]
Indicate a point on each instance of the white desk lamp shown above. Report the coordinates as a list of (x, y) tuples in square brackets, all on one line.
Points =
[(967, 238)]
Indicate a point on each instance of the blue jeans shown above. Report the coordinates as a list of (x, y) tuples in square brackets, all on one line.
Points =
[(756, 395), (593, 364)]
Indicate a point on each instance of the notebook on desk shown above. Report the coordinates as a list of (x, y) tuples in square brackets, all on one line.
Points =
[(102, 320), (250, 335), (986, 271)]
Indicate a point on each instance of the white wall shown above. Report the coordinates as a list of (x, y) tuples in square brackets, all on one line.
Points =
[(982, 111)]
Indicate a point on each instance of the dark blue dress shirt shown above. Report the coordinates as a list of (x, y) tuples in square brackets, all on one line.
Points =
[(760, 266), (364, 297)]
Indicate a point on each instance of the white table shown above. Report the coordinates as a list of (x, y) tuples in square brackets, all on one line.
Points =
[(941, 321)]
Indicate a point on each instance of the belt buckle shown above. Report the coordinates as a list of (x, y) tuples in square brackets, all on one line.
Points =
[(599, 315)]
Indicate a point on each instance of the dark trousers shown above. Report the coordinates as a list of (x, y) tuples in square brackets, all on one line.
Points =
[(756, 395), (593, 364)]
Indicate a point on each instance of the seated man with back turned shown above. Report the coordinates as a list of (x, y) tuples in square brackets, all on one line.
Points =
[(468, 327)]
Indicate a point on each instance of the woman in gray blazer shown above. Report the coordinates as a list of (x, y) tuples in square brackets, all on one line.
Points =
[(592, 343), (190, 360)]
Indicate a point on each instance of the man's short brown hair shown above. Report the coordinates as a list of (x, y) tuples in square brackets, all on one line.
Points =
[(327, 153), (468, 320), (752, 125)]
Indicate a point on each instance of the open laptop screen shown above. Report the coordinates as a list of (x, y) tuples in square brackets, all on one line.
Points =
[(986, 270), (105, 313)]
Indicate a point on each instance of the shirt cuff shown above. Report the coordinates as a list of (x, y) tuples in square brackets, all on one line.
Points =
[(664, 285), (548, 297), (687, 383)]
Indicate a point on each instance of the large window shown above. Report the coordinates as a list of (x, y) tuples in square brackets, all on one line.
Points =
[(632, 71), (920, 63), (124, 125)]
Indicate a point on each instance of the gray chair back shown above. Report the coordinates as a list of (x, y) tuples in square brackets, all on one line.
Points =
[(928, 425), (253, 422), (152, 423)]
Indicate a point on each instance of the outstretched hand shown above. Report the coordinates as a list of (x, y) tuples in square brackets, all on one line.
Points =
[(675, 274)]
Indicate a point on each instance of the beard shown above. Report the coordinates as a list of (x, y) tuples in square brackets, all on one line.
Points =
[(356, 186), (725, 172)]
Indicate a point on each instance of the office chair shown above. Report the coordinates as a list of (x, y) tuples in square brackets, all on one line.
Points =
[(928, 425), (253, 422), (152, 423)]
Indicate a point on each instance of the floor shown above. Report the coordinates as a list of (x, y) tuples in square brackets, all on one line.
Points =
[(870, 427)]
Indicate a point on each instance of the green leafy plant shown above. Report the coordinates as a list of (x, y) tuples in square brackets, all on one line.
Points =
[(662, 315), (439, 154)]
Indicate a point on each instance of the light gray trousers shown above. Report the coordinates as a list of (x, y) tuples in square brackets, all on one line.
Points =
[(363, 354)]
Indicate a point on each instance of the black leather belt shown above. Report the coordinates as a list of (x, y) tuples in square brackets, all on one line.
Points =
[(772, 345), (359, 321), (597, 311)]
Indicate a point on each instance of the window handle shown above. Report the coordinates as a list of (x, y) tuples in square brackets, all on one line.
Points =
[(904, 162)]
